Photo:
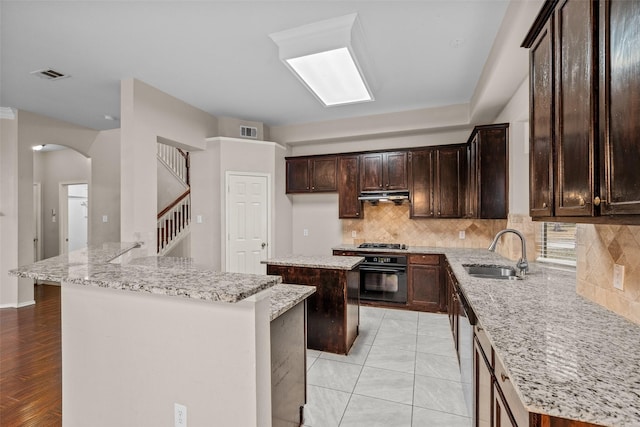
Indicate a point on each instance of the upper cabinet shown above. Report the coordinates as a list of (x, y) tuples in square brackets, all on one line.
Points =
[(436, 181), (348, 176), (312, 174), (487, 194), (383, 171), (584, 105)]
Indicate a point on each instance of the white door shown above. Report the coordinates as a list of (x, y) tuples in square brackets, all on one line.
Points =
[(247, 223), (74, 216)]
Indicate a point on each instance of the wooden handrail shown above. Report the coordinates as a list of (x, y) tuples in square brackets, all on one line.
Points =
[(175, 202)]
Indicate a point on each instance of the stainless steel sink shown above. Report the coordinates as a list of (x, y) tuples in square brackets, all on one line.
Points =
[(491, 271)]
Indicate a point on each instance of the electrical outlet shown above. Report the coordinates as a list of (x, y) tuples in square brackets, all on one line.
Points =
[(199, 219), (354, 233), (618, 276), (180, 415), (461, 235), (105, 218), (305, 232)]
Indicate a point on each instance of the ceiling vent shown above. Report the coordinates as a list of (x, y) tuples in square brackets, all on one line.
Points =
[(248, 132), (49, 74)]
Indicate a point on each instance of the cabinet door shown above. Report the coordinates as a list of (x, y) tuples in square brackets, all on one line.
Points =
[(501, 415), (421, 183), (425, 287), (482, 388), (324, 173), (449, 189), (298, 176), (348, 174), (492, 161), (471, 205), (371, 172), (395, 171), (620, 105), (541, 124), (575, 108)]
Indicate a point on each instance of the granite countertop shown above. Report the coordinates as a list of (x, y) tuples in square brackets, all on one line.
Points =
[(566, 356), (284, 297), (156, 275), (317, 261)]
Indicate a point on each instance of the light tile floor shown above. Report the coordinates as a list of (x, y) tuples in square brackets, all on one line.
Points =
[(401, 372)]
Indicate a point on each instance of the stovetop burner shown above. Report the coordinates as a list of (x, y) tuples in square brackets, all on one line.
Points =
[(383, 246)]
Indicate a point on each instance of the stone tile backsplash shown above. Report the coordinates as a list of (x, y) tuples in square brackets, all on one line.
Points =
[(599, 248)]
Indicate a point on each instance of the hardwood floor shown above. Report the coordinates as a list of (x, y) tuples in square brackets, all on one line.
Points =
[(31, 362)]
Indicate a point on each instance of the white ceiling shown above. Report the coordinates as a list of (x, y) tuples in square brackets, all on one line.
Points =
[(217, 55)]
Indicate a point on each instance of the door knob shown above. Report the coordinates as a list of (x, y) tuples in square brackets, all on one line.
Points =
[(264, 245)]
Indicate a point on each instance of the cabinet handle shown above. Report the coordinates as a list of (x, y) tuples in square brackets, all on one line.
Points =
[(357, 213), (503, 377), (313, 188), (597, 200), (544, 205), (480, 328), (438, 213), (581, 202), (431, 213)]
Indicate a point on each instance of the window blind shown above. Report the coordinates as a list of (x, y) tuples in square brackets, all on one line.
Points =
[(557, 243)]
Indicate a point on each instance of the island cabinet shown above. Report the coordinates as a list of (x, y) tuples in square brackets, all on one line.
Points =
[(437, 182), (348, 187), (313, 174), (425, 286), (333, 311), (383, 171), (584, 91), (487, 195)]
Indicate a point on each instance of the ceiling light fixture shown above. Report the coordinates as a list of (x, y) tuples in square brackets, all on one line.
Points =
[(38, 147), (323, 56)]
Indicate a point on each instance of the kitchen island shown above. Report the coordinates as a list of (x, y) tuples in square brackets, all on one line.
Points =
[(141, 334), (569, 361), (334, 311)]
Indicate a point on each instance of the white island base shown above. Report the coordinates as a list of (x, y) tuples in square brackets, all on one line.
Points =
[(128, 357)]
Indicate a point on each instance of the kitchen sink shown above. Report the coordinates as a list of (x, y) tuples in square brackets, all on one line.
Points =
[(487, 271)]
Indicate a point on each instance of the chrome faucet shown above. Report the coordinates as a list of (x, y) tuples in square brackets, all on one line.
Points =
[(522, 264)]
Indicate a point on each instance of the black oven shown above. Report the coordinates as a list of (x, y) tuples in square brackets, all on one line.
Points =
[(383, 277)]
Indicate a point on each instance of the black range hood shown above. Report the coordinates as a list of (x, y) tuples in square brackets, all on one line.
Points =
[(395, 196)]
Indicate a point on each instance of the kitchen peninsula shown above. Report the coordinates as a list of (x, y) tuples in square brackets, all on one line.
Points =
[(141, 334), (334, 311)]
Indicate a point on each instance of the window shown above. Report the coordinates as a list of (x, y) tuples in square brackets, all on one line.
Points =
[(557, 243)]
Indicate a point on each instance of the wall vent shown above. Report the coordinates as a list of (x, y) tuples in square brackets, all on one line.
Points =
[(248, 132), (49, 74)]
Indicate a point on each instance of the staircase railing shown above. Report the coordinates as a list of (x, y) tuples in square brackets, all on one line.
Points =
[(173, 222), (176, 160)]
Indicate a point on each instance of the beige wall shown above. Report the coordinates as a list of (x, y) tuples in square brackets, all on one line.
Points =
[(51, 169), (599, 248), (104, 188), (149, 115)]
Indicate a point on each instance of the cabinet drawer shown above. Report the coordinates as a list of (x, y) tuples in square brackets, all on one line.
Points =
[(483, 340), (514, 403), (424, 259)]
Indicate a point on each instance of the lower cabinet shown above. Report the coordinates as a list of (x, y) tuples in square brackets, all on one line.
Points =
[(483, 387), (425, 286)]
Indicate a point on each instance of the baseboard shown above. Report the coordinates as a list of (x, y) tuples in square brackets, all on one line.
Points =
[(20, 305)]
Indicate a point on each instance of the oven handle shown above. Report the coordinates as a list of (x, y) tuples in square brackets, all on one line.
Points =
[(383, 270)]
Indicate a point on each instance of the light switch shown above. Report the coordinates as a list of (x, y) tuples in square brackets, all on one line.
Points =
[(354, 234), (461, 235), (199, 219), (305, 232), (105, 218), (618, 276)]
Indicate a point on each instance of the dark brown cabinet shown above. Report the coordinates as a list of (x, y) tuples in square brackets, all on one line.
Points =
[(585, 100), (312, 174), (383, 171), (425, 285), (436, 182), (348, 179), (487, 195)]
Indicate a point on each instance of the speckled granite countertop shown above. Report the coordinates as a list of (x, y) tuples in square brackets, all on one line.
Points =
[(317, 261), (156, 275), (284, 297), (567, 356)]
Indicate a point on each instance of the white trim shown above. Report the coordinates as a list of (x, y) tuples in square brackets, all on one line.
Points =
[(251, 141), (224, 250), (7, 113), (18, 305)]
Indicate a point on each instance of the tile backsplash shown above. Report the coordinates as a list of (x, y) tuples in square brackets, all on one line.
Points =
[(599, 248), (389, 223)]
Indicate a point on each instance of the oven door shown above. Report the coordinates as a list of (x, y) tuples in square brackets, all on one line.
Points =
[(383, 283)]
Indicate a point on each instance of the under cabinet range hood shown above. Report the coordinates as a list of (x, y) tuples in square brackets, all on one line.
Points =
[(397, 197)]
